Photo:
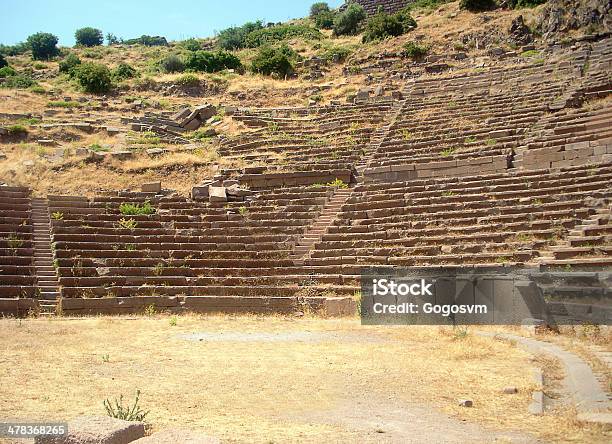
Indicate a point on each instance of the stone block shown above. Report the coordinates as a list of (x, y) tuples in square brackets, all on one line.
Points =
[(156, 151), (122, 155), (192, 125), (96, 430), (151, 187), (181, 114), (230, 182), (217, 194), (205, 112), (199, 192)]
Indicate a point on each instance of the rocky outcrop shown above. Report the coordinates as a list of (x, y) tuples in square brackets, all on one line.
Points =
[(561, 16), (520, 34)]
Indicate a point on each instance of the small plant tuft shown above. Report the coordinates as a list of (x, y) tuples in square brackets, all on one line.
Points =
[(126, 412)]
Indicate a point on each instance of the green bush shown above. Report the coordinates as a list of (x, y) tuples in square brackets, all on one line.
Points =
[(88, 37), (3, 61), (112, 39), (172, 63), (17, 130), (318, 8), (18, 81), (131, 209), (276, 61), (147, 40), (188, 80), (124, 71), (69, 63), (348, 21), (207, 61), (14, 50), (190, 45), (477, 5), (279, 33), (336, 54), (415, 51), (382, 26), (93, 77), (43, 45), (234, 37), (325, 20), (407, 21), (7, 71), (63, 104), (518, 4)]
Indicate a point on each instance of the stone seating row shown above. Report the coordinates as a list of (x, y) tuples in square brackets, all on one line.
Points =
[(16, 243)]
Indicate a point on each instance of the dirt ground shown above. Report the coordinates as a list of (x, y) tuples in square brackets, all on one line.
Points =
[(275, 379)]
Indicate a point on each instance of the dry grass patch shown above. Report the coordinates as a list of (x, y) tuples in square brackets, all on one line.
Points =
[(244, 388)]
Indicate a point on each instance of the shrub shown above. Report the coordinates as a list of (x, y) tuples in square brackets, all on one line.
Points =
[(518, 4), (128, 224), (318, 8), (415, 51), (348, 21), (407, 21), (88, 37), (234, 37), (191, 45), (43, 45), (172, 63), (131, 209), (63, 104), (382, 26), (147, 40), (7, 71), (207, 61), (124, 71), (188, 80), (69, 63), (3, 61), (336, 54), (279, 33), (111, 39), (93, 77), (477, 5), (325, 20), (17, 130), (19, 81), (277, 61), (14, 50)]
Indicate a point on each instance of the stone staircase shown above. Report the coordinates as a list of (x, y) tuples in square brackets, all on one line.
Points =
[(591, 238), (46, 275), (316, 231), (377, 138)]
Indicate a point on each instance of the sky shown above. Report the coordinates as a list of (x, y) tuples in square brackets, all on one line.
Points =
[(173, 19)]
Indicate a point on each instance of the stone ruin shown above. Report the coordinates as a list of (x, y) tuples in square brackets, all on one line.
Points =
[(496, 167)]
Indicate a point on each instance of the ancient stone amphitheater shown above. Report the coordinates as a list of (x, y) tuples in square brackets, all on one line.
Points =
[(486, 166)]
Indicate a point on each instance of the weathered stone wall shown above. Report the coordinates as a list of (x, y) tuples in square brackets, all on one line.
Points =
[(18, 308), (371, 6), (451, 168), (271, 180), (336, 306)]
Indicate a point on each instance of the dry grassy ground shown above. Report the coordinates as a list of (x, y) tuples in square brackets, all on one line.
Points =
[(273, 379)]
